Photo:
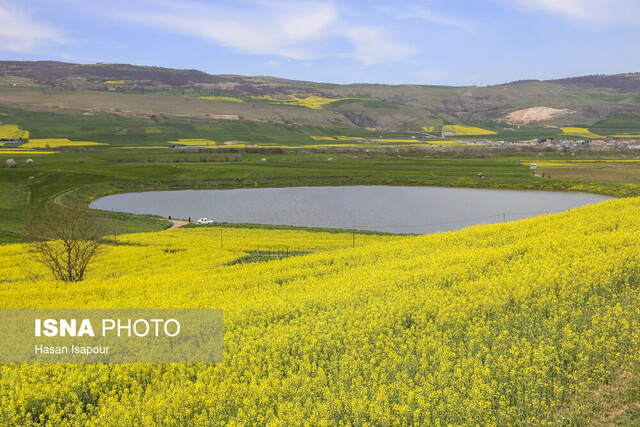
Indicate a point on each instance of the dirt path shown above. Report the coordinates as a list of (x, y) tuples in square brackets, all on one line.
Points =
[(58, 199), (177, 223)]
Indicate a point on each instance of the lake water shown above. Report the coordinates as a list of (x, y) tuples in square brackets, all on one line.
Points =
[(379, 208)]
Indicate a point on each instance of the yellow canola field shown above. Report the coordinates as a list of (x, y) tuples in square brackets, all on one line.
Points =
[(325, 146), (505, 324), (384, 140), (313, 102), (58, 142), (581, 132), (208, 143), (27, 151), (13, 132), (193, 141), (576, 163), (302, 147), (445, 143), (404, 141), (140, 148), (114, 82), (467, 130), (350, 138)]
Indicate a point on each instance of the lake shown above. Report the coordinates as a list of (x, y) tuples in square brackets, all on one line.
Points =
[(394, 209)]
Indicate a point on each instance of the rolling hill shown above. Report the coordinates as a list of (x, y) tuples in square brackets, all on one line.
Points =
[(156, 97)]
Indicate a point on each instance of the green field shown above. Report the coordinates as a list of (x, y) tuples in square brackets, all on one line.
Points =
[(139, 157), (85, 174)]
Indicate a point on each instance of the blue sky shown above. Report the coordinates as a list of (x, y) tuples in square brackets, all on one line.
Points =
[(448, 42)]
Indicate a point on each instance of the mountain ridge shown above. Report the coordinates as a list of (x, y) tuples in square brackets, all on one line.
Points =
[(408, 107)]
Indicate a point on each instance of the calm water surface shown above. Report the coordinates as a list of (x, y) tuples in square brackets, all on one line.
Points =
[(378, 208)]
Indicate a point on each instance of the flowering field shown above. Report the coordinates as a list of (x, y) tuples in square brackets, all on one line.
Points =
[(467, 130), (580, 132), (500, 324), (194, 141), (25, 151), (312, 102), (323, 138), (12, 132), (222, 98), (57, 142)]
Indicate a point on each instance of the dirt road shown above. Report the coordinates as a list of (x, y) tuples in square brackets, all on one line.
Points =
[(177, 223)]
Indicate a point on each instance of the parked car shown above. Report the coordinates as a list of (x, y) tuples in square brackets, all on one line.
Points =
[(205, 221)]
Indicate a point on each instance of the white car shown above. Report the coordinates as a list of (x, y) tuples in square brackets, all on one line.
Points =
[(205, 221)]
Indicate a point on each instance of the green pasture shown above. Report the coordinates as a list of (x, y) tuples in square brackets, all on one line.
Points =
[(87, 174)]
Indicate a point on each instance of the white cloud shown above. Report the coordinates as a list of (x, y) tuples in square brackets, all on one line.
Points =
[(602, 11), (287, 32), (428, 15), (371, 45), (287, 28), (21, 33)]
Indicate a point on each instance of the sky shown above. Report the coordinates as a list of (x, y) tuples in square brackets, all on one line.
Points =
[(439, 42)]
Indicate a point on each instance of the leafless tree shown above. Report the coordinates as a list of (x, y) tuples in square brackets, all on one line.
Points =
[(66, 239)]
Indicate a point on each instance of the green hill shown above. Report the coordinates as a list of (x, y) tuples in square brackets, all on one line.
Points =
[(153, 97)]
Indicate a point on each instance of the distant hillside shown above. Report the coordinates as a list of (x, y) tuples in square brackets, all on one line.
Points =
[(624, 83), (132, 91), (75, 76)]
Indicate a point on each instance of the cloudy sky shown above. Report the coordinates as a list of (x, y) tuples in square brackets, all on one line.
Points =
[(449, 42)]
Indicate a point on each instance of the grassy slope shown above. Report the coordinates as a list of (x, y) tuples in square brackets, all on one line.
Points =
[(402, 108), (141, 131), (515, 323)]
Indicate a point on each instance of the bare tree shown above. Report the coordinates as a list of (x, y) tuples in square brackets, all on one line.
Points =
[(66, 239)]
